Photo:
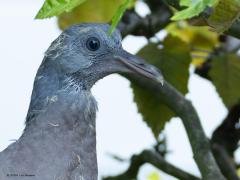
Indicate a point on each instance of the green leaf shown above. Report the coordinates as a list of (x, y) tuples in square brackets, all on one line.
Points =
[(194, 8), (188, 2), (225, 75), (118, 15), (173, 60), (225, 13), (238, 171), (189, 12), (56, 7), (199, 38), (100, 11)]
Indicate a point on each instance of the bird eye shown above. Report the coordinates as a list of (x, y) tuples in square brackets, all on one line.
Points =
[(93, 44)]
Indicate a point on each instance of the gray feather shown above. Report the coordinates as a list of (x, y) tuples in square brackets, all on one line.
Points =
[(59, 140)]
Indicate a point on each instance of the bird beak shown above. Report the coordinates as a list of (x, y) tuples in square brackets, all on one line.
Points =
[(139, 66)]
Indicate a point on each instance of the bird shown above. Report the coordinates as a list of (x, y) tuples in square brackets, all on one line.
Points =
[(59, 138)]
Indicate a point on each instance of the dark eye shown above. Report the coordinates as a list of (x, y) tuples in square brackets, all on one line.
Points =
[(93, 44)]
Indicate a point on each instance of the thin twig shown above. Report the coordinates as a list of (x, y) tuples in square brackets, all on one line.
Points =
[(148, 26), (159, 162), (149, 156)]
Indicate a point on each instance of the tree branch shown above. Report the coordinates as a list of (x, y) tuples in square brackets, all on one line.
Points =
[(184, 109), (226, 164), (133, 24), (148, 26), (225, 141), (228, 133), (225, 138), (228, 45), (156, 160), (234, 30)]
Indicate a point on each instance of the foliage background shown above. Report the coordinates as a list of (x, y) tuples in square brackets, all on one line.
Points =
[(200, 91)]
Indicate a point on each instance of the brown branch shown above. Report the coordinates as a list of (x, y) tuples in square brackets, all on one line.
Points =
[(134, 24), (234, 30), (225, 141), (184, 109), (226, 164), (148, 26), (204, 69), (228, 133), (225, 138), (228, 45), (132, 171), (156, 160)]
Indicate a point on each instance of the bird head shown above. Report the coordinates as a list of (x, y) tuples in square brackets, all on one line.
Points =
[(87, 53)]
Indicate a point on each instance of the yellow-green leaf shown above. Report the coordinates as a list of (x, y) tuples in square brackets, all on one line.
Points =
[(56, 7), (199, 38), (238, 172), (186, 2), (225, 13), (118, 15), (196, 37), (173, 60), (153, 176), (90, 11), (225, 75), (194, 8)]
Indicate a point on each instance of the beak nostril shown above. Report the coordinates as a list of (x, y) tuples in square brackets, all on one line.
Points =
[(138, 65)]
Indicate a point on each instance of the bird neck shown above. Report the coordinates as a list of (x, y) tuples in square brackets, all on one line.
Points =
[(52, 85), (63, 95), (60, 126), (66, 107)]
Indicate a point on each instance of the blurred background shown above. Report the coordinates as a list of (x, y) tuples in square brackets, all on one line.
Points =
[(121, 130)]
